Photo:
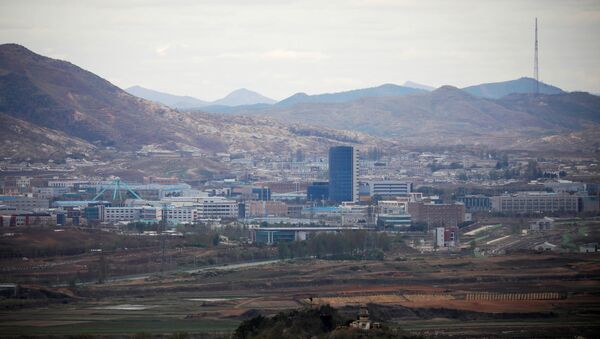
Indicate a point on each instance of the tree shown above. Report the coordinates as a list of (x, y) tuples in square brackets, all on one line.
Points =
[(533, 170), (216, 239)]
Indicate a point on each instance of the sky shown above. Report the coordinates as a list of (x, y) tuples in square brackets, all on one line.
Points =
[(207, 49)]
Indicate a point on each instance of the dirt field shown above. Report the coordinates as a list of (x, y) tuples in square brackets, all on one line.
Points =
[(515, 295)]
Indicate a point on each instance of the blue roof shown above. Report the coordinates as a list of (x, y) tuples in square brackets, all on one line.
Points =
[(8, 197), (78, 202), (323, 209)]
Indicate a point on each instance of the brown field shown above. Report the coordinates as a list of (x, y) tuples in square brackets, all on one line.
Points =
[(528, 294)]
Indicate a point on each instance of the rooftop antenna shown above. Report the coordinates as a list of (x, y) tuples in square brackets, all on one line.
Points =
[(536, 74)]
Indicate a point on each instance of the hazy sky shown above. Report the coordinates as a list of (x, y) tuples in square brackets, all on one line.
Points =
[(209, 48)]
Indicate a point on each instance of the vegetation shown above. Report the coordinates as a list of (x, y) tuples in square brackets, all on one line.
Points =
[(322, 322), (351, 245)]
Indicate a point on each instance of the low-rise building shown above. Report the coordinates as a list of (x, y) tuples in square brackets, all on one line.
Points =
[(386, 188), (265, 208), (475, 203), (543, 224), (24, 203), (136, 213), (535, 202), (442, 215)]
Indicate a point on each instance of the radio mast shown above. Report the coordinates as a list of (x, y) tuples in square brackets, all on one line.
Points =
[(536, 74)]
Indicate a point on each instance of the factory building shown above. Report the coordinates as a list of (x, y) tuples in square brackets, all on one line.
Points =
[(535, 202), (24, 203)]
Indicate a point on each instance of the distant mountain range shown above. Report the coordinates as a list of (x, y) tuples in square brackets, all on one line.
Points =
[(243, 101), (51, 108), (418, 86), (450, 112), (173, 101), (386, 90), (488, 90), (238, 97)]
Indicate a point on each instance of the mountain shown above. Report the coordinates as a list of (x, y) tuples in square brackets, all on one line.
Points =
[(173, 101), (497, 90), (59, 95), (238, 97), (572, 111), (243, 96), (70, 108), (418, 86), (339, 97), (449, 115)]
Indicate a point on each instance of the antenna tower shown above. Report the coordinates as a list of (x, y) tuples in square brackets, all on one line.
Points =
[(536, 74)]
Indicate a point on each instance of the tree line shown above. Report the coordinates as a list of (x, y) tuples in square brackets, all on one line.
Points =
[(348, 245)]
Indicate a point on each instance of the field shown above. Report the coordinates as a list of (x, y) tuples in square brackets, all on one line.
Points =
[(513, 295)]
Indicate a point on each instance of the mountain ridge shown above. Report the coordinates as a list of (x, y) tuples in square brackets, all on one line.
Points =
[(345, 96), (238, 97)]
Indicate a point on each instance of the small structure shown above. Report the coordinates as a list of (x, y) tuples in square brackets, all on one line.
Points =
[(543, 224), (546, 246), (363, 322), (589, 248)]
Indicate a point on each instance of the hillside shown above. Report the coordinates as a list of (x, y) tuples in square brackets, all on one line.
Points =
[(21, 140), (497, 90), (58, 98), (450, 115)]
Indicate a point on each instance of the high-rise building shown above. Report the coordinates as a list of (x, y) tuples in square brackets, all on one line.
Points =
[(343, 173)]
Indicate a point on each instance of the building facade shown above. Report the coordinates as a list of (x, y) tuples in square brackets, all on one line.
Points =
[(440, 215), (387, 188), (535, 202), (475, 203), (24, 203), (343, 173)]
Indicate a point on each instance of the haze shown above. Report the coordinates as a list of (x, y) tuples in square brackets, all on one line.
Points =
[(207, 49)]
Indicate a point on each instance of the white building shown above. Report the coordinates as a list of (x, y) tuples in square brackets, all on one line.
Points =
[(136, 213), (392, 206)]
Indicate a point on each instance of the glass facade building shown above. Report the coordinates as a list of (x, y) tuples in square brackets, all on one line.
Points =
[(343, 172), (317, 191)]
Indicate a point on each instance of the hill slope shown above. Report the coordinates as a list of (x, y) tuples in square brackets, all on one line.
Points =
[(497, 90), (21, 140), (450, 115)]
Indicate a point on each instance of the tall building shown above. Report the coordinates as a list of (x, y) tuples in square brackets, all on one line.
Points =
[(343, 173)]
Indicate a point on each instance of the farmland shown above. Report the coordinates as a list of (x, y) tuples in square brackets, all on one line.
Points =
[(522, 293)]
